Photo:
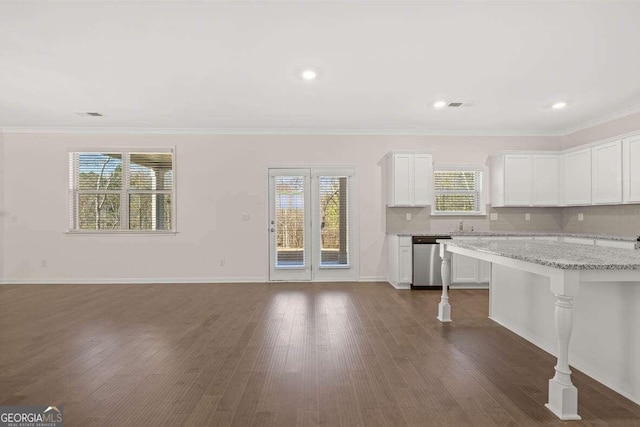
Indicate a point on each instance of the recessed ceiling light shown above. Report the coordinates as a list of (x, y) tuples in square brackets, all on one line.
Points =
[(439, 104), (309, 74), (559, 105)]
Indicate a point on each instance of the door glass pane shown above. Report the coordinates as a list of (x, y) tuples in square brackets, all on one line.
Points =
[(289, 205), (334, 241)]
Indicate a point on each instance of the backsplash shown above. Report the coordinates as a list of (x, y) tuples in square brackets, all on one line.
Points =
[(509, 219), (618, 220)]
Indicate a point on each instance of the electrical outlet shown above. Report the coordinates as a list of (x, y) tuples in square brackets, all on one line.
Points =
[(527, 217), (581, 217), (408, 217), (222, 262), (14, 218), (43, 264), (494, 216), (246, 217)]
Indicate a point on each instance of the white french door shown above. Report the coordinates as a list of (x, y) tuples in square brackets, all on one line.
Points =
[(311, 224), (289, 224)]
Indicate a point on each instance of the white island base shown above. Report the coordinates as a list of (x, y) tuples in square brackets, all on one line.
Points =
[(604, 343)]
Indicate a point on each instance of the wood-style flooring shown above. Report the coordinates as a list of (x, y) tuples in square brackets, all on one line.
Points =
[(285, 354)]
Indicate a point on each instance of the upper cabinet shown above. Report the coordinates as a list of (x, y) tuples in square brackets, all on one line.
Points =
[(606, 170), (631, 169), (410, 179), (525, 180), (518, 178), (546, 180), (605, 173), (576, 166)]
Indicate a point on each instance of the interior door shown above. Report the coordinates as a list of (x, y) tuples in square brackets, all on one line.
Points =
[(290, 224)]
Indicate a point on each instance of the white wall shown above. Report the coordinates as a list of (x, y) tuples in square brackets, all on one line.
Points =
[(218, 178), (621, 126)]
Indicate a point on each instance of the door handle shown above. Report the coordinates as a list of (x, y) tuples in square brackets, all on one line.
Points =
[(273, 229)]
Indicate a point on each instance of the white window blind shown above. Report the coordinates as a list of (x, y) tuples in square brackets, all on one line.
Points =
[(458, 191), (334, 220), (121, 191)]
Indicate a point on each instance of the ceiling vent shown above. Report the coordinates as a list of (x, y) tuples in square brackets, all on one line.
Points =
[(89, 114), (461, 104)]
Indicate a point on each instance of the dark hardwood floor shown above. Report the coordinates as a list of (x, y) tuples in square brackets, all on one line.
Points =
[(276, 355)]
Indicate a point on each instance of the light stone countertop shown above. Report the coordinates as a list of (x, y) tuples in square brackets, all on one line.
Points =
[(521, 234), (566, 256)]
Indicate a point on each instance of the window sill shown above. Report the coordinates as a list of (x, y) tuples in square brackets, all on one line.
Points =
[(121, 233), (334, 267)]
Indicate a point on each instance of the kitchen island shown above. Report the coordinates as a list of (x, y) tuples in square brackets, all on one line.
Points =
[(606, 344)]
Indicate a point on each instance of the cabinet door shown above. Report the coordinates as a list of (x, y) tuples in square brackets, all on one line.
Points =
[(606, 172), (546, 180), (517, 180), (577, 177), (484, 271), (402, 179), (405, 272), (464, 269), (631, 166), (423, 179)]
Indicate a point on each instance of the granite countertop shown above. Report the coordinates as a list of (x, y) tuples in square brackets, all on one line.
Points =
[(567, 256), (521, 234)]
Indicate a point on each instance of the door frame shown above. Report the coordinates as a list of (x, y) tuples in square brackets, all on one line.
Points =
[(327, 273)]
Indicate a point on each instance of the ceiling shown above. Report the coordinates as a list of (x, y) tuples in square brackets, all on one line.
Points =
[(235, 66)]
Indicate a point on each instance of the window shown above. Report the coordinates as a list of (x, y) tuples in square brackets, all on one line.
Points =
[(121, 191), (458, 191)]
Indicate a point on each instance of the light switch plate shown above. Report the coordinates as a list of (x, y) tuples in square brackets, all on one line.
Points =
[(408, 217), (494, 216), (527, 217), (581, 217)]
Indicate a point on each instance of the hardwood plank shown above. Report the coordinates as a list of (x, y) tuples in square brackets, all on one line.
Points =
[(277, 354)]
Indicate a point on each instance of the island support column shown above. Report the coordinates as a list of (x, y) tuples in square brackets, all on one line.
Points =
[(444, 309), (563, 395)]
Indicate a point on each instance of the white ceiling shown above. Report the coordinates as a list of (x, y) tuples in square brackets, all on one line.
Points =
[(235, 65)]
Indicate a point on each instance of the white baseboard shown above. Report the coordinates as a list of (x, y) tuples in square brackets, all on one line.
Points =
[(164, 280), (131, 281), (372, 279), (576, 364)]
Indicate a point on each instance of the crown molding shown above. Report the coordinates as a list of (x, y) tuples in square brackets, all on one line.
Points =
[(316, 131), (262, 131), (602, 119)]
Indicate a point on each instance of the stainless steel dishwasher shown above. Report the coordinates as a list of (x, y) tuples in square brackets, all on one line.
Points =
[(427, 262)]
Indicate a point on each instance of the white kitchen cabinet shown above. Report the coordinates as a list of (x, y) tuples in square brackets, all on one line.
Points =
[(577, 177), (527, 179), (484, 271), (410, 179), (631, 169), (517, 179), (606, 173), (546, 180), (464, 269), (400, 261)]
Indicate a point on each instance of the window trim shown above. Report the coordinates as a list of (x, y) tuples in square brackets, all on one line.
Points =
[(483, 193), (73, 192)]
